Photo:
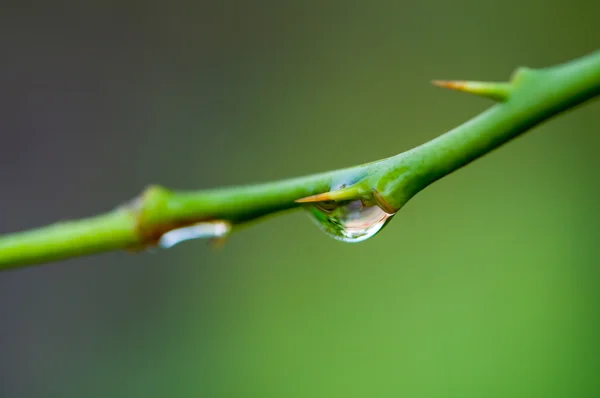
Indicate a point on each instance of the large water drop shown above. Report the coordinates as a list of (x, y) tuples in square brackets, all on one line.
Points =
[(350, 221), (207, 230)]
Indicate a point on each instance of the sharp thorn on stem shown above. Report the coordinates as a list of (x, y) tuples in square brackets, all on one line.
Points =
[(496, 91)]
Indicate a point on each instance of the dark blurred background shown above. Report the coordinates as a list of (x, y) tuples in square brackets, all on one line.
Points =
[(484, 285)]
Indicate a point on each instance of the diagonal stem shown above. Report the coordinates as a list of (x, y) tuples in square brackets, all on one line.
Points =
[(530, 98)]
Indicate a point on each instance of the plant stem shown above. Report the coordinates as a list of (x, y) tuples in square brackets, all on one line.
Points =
[(111, 231), (531, 97)]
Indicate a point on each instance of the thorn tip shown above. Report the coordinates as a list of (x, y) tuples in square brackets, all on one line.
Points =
[(493, 90), (315, 198), (348, 193), (451, 84)]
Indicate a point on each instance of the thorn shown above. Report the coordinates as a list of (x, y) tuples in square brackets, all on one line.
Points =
[(217, 244), (493, 90), (339, 195), (322, 197)]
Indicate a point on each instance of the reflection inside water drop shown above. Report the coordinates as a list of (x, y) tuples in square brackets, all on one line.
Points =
[(209, 229), (351, 221)]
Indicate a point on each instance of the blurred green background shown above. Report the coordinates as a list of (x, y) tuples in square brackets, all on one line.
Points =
[(484, 285)]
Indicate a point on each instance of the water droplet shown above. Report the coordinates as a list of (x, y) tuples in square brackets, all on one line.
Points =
[(208, 229), (350, 221)]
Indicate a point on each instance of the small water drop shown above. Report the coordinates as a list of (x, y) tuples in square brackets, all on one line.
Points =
[(350, 221), (208, 229)]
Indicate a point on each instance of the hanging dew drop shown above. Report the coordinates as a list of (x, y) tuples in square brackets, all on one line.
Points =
[(206, 230), (349, 221)]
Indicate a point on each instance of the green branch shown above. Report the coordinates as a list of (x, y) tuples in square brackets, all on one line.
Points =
[(532, 96)]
